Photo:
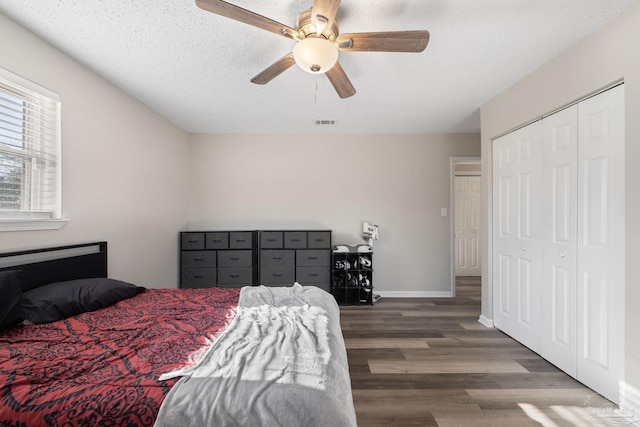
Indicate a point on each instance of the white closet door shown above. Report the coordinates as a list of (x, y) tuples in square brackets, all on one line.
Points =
[(467, 225), (559, 239), (516, 225), (601, 242)]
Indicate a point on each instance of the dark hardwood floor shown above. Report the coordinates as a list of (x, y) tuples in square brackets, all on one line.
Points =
[(428, 362)]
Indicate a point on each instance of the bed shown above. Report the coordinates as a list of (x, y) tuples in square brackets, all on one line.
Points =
[(78, 348)]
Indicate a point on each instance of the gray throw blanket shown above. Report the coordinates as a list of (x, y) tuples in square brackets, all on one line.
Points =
[(281, 362)]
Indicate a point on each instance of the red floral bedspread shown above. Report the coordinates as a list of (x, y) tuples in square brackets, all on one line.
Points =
[(101, 368)]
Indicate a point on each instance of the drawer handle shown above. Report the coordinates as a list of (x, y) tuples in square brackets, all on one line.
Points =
[(240, 240), (272, 240), (313, 274), (235, 276), (295, 240), (198, 277), (313, 257), (192, 241), (318, 240), (216, 240), (198, 259), (234, 258), (277, 275), (277, 258)]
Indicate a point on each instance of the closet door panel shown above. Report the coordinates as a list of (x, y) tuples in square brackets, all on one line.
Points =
[(601, 242), (517, 158), (562, 306), (505, 238), (559, 239), (504, 293), (596, 320), (526, 303)]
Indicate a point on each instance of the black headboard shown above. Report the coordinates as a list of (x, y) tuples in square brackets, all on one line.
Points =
[(55, 264)]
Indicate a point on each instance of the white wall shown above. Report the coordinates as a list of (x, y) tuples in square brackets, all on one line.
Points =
[(399, 182), (124, 168), (610, 54)]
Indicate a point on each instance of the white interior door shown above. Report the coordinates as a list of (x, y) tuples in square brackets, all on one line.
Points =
[(601, 242), (516, 240), (467, 225), (559, 239)]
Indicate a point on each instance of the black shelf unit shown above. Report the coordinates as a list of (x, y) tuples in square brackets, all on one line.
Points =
[(352, 278)]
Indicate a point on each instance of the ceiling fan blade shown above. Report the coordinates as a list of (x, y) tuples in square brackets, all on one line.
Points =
[(340, 81), (245, 16), (326, 9), (393, 41), (274, 70)]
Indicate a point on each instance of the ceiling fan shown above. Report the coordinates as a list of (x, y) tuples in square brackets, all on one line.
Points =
[(318, 41)]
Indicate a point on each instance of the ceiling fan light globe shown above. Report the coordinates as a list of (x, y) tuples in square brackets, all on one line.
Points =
[(315, 55)]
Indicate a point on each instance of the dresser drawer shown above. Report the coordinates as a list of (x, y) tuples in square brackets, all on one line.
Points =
[(240, 240), (199, 277), (217, 240), (312, 275), (235, 258), (240, 276), (284, 276), (192, 241), (295, 239), (278, 258), (192, 259), (271, 239), (313, 258), (319, 239)]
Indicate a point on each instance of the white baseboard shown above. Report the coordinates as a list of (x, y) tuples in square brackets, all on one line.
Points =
[(403, 294), (483, 320)]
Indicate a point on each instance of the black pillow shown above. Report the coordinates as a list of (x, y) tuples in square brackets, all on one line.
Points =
[(60, 300), (10, 293)]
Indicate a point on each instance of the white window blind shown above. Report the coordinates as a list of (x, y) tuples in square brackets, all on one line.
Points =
[(29, 150)]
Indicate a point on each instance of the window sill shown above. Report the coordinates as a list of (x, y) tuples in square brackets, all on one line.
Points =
[(32, 224)]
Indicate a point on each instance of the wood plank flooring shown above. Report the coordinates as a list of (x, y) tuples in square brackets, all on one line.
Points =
[(428, 362)]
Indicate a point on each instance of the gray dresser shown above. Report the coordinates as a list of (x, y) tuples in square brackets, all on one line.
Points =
[(257, 257), (218, 258), (288, 256)]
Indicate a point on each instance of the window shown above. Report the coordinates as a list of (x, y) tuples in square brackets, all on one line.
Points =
[(29, 153)]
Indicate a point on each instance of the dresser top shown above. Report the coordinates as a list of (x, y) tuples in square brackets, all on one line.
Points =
[(256, 225)]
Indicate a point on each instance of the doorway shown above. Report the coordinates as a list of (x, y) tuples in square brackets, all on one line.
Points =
[(466, 176)]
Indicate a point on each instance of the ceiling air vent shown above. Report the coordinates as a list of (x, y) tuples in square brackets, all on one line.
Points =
[(325, 122)]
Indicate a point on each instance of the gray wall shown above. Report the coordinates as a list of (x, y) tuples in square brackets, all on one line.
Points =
[(124, 167), (399, 182)]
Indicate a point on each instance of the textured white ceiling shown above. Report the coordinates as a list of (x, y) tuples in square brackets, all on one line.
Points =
[(194, 67)]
